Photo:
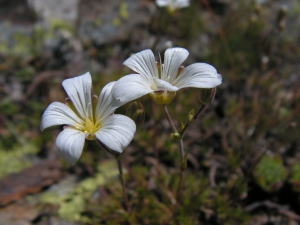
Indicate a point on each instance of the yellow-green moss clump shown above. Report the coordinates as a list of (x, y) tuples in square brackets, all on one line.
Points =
[(72, 204), (16, 159)]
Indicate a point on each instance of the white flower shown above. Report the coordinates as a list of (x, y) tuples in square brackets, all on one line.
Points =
[(162, 81), (89, 118), (172, 5)]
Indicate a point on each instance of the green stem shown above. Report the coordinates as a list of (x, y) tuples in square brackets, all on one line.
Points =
[(193, 119), (182, 153), (182, 168), (122, 183), (169, 118), (117, 156)]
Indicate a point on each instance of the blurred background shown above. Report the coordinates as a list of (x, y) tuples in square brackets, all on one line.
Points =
[(243, 162)]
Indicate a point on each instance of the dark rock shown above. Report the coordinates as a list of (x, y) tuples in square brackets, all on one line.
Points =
[(29, 181)]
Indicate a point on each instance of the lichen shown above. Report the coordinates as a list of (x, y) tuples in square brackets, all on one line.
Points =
[(16, 159), (73, 203), (116, 22), (123, 10)]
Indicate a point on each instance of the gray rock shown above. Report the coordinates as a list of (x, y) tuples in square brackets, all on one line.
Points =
[(112, 21), (66, 10)]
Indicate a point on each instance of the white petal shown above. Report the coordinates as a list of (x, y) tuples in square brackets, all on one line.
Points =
[(198, 75), (116, 132), (69, 144), (79, 91), (163, 85), (143, 63), (59, 114), (107, 103), (174, 57), (162, 3), (131, 87)]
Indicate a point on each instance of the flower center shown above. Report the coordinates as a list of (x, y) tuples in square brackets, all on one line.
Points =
[(90, 129)]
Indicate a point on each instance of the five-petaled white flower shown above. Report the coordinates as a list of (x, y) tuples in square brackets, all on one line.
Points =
[(89, 118), (162, 81), (172, 5)]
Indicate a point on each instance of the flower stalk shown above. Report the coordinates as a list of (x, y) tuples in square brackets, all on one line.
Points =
[(117, 156), (194, 118), (121, 178), (183, 155)]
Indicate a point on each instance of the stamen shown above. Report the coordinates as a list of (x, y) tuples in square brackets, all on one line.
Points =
[(180, 69), (161, 67), (79, 127), (94, 104)]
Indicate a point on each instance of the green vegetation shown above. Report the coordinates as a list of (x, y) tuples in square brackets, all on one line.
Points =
[(257, 108)]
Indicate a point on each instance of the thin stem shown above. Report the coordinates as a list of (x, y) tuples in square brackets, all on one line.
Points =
[(122, 183), (182, 153), (169, 118), (154, 146), (117, 156), (182, 168), (193, 119)]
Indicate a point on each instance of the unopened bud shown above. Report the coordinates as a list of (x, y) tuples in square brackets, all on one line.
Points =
[(136, 112), (181, 127), (207, 95), (175, 136), (191, 115)]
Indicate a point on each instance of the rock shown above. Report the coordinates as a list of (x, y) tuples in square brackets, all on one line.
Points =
[(113, 21), (66, 10), (28, 181)]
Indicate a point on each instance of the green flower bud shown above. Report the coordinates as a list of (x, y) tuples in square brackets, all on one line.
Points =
[(181, 127), (136, 112), (191, 115), (175, 136), (207, 95)]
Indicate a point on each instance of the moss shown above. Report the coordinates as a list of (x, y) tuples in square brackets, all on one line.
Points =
[(23, 44), (73, 204), (116, 22), (294, 177), (16, 159), (269, 173), (57, 24), (123, 10), (97, 22)]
